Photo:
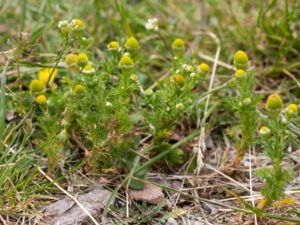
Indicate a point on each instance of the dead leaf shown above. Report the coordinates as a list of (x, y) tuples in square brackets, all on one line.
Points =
[(103, 181), (151, 194), (67, 212), (3, 29)]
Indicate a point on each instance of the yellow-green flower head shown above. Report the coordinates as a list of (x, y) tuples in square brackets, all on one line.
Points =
[(179, 106), (44, 74), (264, 131), (41, 99), (65, 79), (247, 101), (178, 80), (132, 43), (82, 59), (36, 87), (240, 74), (126, 62), (148, 92), (79, 89), (134, 77), (291, 111), (77, 25), (178, 44), (240, 60), (203, 68), (274, 103), (113, 46), (164, 134), (176, 156), (187, 68), (71, 60), (240, 57), (88, 69)]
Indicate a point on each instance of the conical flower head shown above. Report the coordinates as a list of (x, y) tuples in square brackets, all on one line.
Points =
[(291, 111), (240, 60), (36, 87), (274, 103), (132, 44), (178, 44)]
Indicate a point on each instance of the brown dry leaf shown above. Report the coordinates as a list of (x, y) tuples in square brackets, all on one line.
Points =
[(103, 181), (151, 194), (3, 28), (67, 212)]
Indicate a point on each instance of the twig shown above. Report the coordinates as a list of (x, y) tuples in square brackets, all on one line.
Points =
[(201, 147), (220, 63), (250, 184), (58, 59), (3, 221), (291, 76), (229, 178)]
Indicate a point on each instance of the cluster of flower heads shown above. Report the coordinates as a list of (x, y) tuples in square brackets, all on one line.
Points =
[(37, 86), (274, 106), (79, 62), (179, 79), (179, 45), (75, 25), (240, 61), (152, 24), (131, 45)]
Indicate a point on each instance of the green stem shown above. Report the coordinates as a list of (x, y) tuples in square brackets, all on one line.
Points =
[(2, 100), (57, 61)]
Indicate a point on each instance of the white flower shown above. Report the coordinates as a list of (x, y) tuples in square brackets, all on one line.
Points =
[(152, 24), (193, 74), (64, 26), (108, 104), (63, 23)]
